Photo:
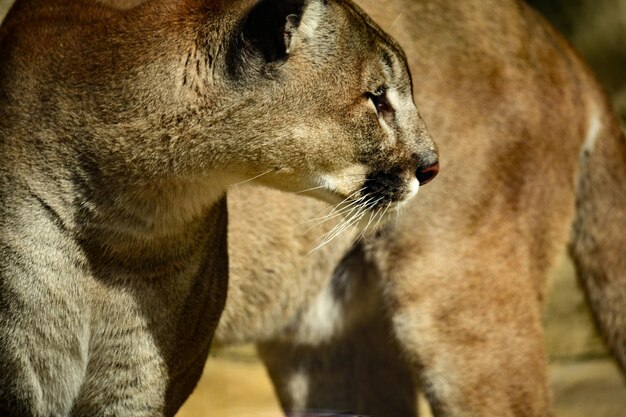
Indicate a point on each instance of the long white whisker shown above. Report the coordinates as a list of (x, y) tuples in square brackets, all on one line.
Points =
[(346, 199), (339, 207), (309, 189), (382, 216), (340, 226), (253, 178), (350, 221), (398, 211), (372, 217), (335, 232), (351, 181), (342, 211), (346, 224)]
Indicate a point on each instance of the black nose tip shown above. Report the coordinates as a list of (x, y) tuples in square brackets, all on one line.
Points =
[(427, 174)]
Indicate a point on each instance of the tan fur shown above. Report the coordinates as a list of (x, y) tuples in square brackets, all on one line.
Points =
[(458, 282), (595, 28), (599, 241), (121, 125)]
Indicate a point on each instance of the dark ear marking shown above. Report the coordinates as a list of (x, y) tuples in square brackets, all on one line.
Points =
[(266, 34), (269, 27)]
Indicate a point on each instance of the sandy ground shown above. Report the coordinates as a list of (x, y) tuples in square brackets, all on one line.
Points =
[(4, 7), (588, 389), (232, 388), (236, 385)]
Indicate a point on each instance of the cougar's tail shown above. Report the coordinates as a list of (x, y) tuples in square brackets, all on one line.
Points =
[(598, 244)]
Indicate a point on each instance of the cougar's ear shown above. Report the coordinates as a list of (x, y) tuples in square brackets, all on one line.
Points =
[(273, 29)]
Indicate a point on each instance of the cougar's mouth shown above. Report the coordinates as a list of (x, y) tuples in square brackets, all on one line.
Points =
[(367, 192), (368, 202), (390, 188), (356, 187)]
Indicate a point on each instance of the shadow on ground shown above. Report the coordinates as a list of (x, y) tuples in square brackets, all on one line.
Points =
[(235, 384)]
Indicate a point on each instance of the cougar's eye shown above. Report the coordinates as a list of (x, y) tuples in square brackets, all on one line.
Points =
[(379, 99)]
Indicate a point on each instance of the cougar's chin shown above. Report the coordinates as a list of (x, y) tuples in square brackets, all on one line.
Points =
[(412, 189)]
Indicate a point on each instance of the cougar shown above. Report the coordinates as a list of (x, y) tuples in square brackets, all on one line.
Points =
[(449, 297), (121, 128)]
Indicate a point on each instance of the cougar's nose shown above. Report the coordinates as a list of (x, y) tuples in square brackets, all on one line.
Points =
[(426, 174)]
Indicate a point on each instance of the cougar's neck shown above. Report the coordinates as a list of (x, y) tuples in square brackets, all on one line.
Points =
[(157, 248)]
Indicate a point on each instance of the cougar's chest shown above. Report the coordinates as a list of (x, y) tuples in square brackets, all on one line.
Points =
[(153, 317)]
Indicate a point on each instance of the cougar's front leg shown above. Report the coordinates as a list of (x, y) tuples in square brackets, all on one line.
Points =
[(360, 372), (472, 331)]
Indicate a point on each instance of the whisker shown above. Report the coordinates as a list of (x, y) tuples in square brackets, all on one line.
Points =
[(322, 186), (350, 221), (336, 208), (372, 217), (334, 233), (398, 211), (382, 216), (346, 224), (339, 212), (395, 22), (330, 235), (309, 189), (341, 225), (253, 178), (347, 198)]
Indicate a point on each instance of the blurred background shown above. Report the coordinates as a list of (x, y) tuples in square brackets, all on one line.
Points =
[(598, 30), (585, 381)]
